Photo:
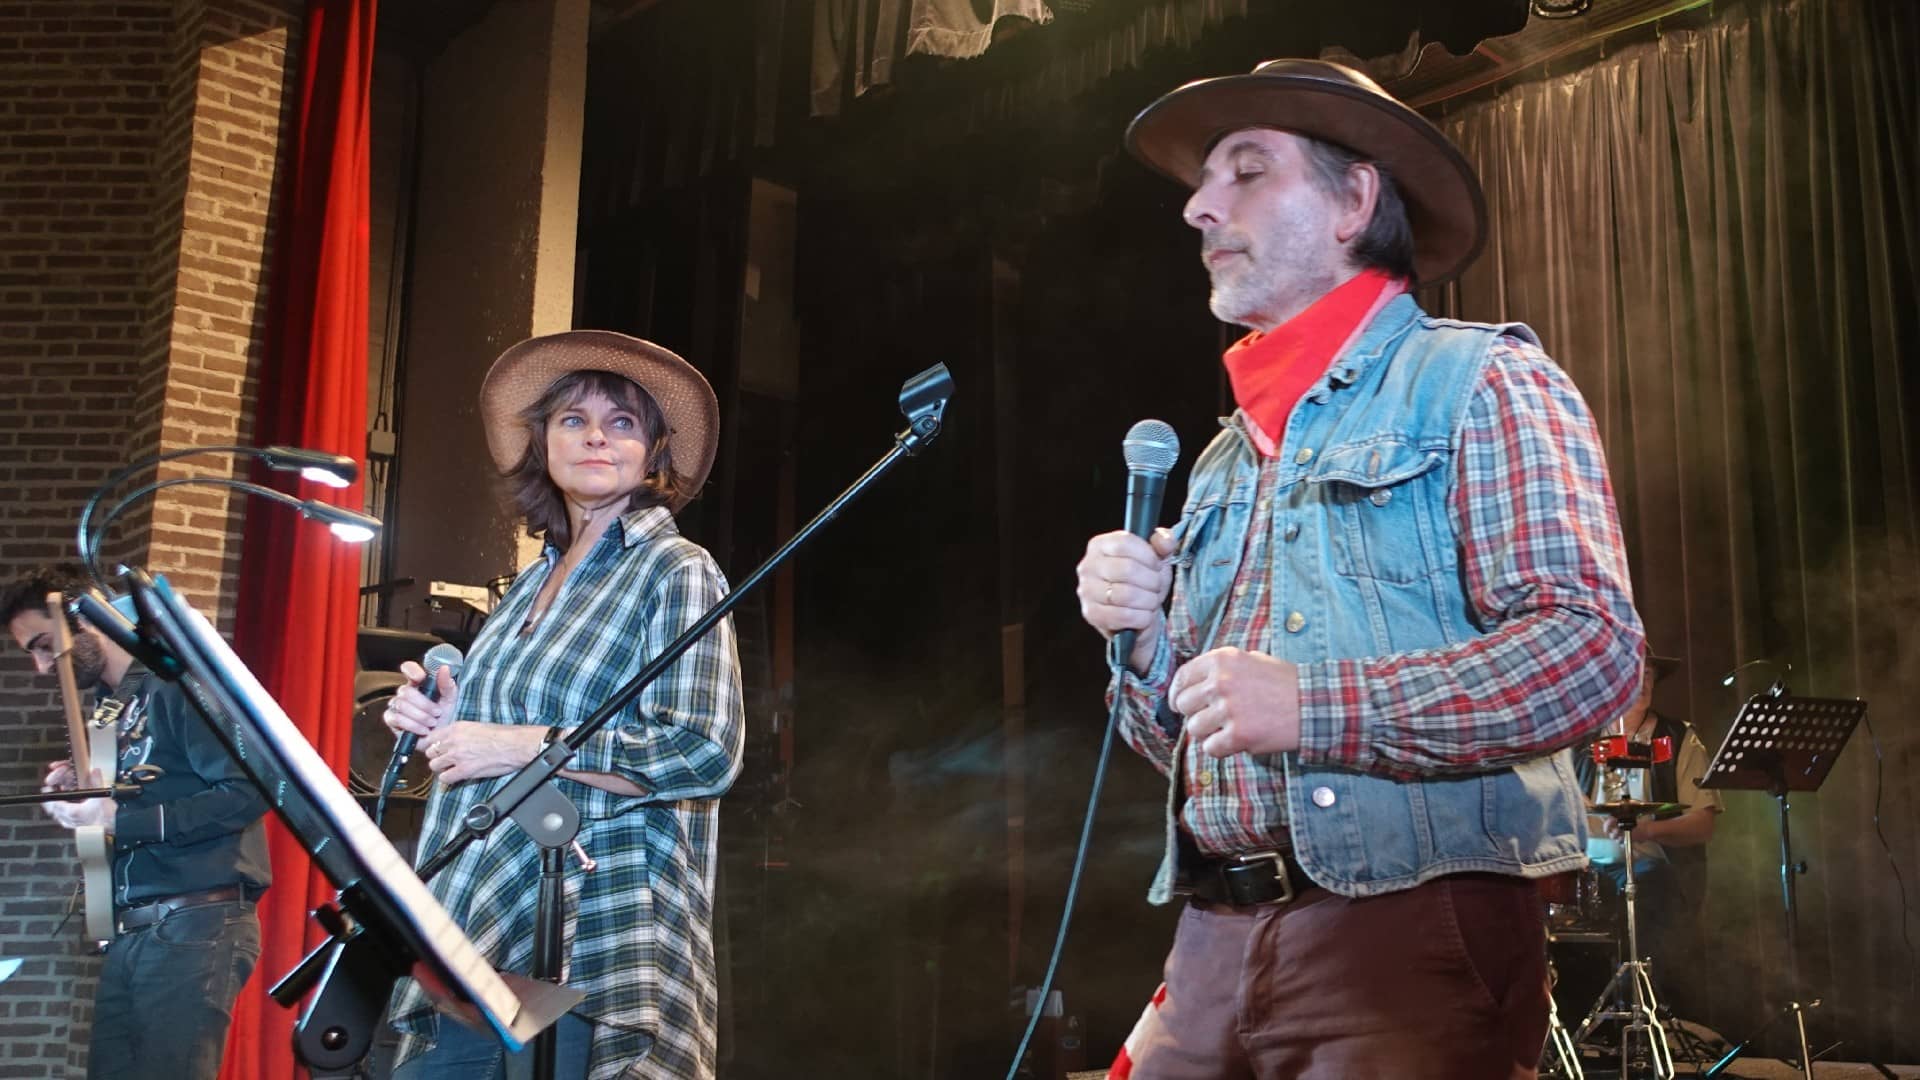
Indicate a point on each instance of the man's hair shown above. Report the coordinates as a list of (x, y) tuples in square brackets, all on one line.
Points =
[(1387, 242), (534, 492), (29, 593)]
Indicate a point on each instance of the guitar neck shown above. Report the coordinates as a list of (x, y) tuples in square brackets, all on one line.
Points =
[(70, 690)]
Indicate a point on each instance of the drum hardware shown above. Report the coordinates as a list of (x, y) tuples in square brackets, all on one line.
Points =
[(1617, 752), (1629, 996), (1562, 1060)]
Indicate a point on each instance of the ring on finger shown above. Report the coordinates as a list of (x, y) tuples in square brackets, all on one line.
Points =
[(1109, 597)]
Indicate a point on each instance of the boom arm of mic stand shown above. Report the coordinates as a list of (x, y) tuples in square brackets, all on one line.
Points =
[(118, 792), (507, 802)]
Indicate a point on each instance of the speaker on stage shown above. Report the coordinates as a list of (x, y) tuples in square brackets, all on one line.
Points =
[(381, 652)]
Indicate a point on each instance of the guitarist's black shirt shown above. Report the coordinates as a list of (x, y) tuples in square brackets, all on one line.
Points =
[(198, 823)]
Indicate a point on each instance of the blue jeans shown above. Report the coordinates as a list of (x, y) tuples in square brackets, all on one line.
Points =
[(166, 994), (465, 1054)]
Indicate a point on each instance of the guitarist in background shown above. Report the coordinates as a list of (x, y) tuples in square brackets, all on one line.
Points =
[(189, 855)]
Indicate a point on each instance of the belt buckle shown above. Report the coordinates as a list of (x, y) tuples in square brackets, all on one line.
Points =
[(1279, 872)]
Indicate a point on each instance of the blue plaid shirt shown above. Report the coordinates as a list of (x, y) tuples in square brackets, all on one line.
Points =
[(638, 937)]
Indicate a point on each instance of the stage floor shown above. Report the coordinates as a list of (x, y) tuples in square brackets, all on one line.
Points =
[(1769, 1069), (1744, 1069)]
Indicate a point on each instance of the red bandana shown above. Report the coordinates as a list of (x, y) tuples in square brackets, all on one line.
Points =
[(1271, 372)]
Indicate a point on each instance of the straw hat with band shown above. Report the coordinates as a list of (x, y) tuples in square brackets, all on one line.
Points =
[(525, 371), (1445, 206)]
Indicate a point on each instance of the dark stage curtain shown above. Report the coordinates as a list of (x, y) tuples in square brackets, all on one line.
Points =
[(299, 586), (1716, 232)]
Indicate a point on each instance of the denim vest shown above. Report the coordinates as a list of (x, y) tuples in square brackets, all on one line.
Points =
[(1365, 563)]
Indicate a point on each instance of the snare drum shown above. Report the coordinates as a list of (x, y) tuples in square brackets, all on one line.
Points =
[(1577, 899)]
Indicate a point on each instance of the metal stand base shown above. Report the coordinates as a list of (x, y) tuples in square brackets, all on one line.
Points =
[(1629, 997), (1630, 991), (1562, 1060)]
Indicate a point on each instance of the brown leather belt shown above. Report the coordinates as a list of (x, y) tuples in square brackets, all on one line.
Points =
[(1261, 877), (152, 911)]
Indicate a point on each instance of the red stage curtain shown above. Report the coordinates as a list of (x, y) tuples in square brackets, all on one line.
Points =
[(299, 595)]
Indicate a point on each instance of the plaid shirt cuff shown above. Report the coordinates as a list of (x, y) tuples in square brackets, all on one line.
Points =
[(1333, 716), (1145, 713)]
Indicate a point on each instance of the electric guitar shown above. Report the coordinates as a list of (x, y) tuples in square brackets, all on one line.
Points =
[(90, 744)]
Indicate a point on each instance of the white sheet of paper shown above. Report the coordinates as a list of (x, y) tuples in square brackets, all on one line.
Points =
[(351, 825)]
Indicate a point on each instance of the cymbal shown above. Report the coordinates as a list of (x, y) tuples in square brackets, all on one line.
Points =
[(1633, 808)]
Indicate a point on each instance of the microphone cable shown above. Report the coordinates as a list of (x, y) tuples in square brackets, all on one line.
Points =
[(1879, 788), (387, 782), (1150, 449), (1079, 864)]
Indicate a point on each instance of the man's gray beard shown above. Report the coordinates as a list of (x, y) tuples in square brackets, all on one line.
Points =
[(1230, 305), (1248, 296)]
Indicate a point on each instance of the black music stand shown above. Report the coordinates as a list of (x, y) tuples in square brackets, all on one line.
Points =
[(1779, 744), (386, 925)]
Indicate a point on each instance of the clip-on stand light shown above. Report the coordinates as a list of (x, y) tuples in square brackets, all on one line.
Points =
[(381, 901)]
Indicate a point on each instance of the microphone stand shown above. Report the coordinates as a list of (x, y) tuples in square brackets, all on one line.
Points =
[(532, 801), (116, 792)]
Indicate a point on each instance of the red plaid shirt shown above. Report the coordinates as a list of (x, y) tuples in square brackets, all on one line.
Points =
[(1544, 569)]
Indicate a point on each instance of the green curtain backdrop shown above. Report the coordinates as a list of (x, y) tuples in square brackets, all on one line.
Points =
[(1716, 232)]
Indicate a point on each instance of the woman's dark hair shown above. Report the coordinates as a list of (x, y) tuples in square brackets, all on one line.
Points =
[(1387, 241), (534, 492)]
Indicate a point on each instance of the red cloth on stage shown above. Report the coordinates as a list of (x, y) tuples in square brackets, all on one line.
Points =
[(299, 586)]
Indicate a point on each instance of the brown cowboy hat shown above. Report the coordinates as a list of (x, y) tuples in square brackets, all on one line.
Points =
[(526, 370), (1327, 101)]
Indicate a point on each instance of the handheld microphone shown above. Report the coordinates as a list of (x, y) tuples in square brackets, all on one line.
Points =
[(1150, 449), (439, 657)]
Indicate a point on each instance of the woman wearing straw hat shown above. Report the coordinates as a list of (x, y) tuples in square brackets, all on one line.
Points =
[(602, 439)]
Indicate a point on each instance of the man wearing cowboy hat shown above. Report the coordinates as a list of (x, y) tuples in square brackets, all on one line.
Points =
[(1398, 594)]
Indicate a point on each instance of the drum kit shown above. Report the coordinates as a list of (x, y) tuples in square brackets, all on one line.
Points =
[(1584, 908), (1777, 743)]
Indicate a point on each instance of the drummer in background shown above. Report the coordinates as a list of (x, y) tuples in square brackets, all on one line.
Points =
[(1670, 854)]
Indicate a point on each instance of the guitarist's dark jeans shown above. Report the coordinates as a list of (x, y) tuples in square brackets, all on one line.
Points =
[(166, 994)]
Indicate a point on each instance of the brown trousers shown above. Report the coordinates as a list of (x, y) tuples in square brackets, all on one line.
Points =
[(1445, 980)]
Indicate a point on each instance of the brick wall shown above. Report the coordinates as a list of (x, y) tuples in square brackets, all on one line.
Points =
[(215, 323), (138, 143)]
